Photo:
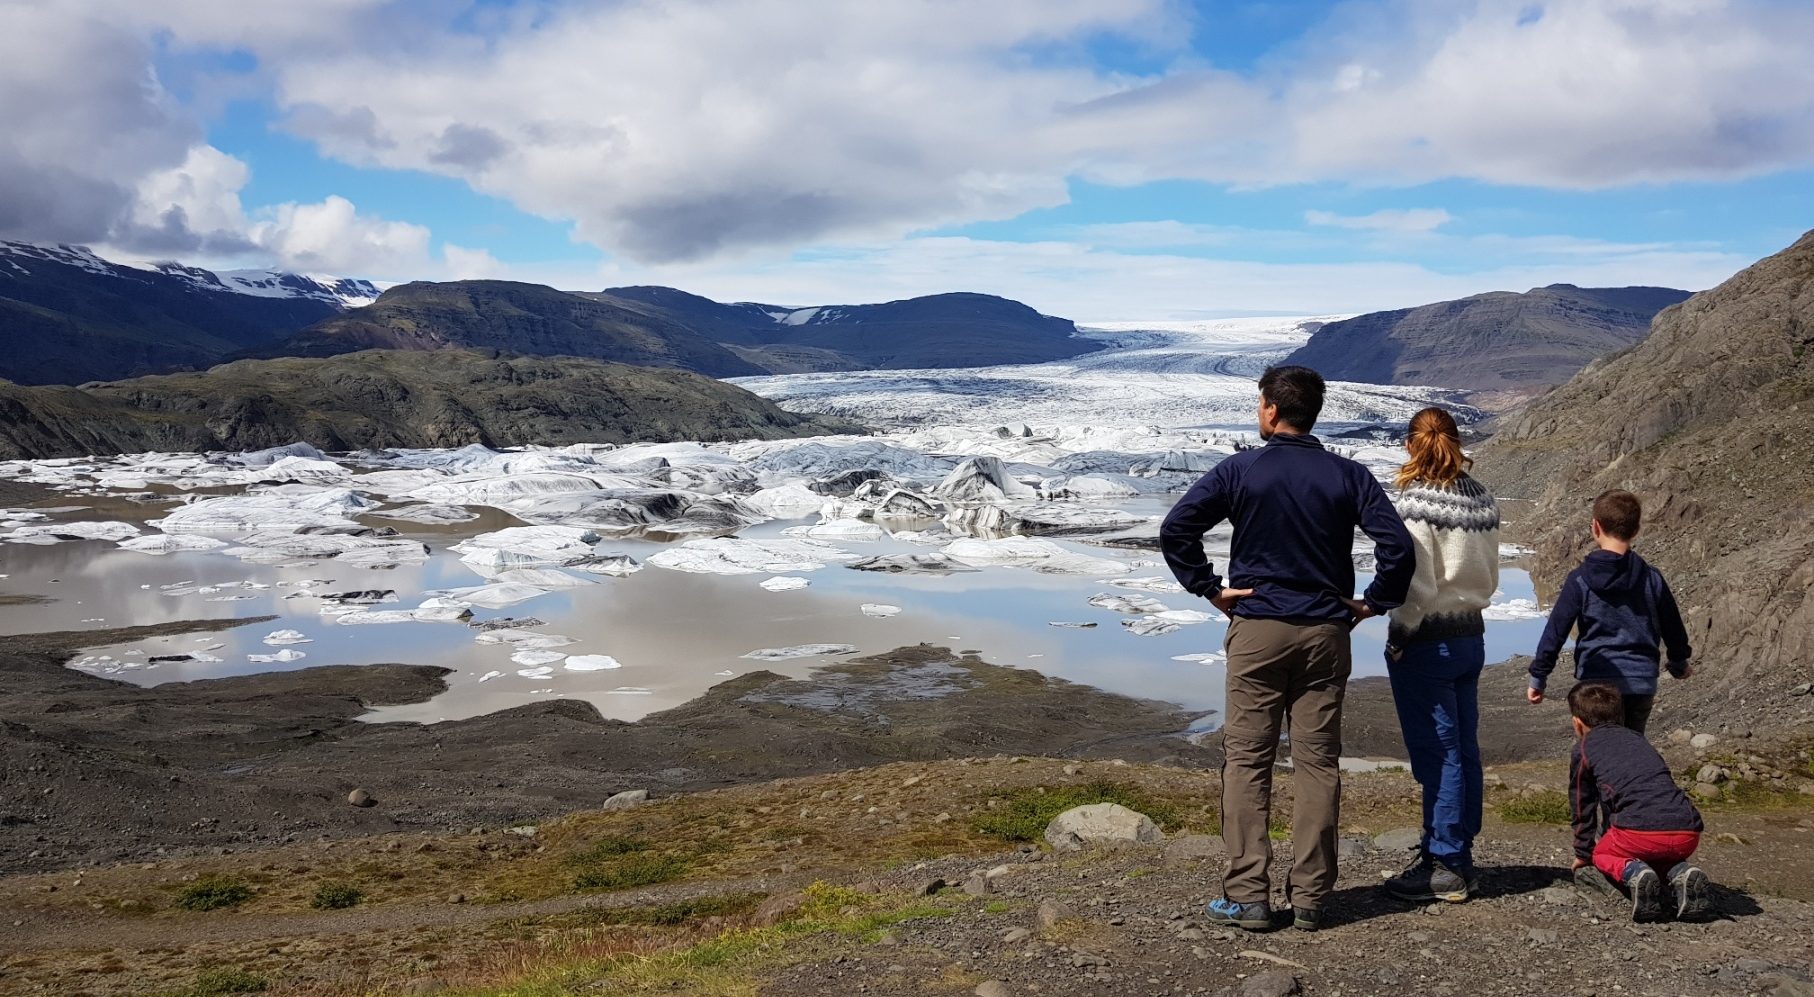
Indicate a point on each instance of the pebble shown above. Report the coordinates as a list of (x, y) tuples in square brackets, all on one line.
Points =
[(360, 798), (992, 988)]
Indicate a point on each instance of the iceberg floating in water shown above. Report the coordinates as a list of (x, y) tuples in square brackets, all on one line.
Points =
[(277, 638), (1030, 552), (737, 556), (1135, 605), (166, 543), (591, 663), (281, 657), (880, 611), (784, 583)]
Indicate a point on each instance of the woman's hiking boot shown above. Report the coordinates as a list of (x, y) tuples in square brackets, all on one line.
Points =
[(1693, 896), (1646, 892), (1428, 879), (1307, 918), (1256, 916)]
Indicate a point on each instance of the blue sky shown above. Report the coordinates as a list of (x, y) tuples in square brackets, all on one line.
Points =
[(1104, 159)]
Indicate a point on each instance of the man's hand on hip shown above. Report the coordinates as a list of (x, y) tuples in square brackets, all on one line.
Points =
[(1225, 600), (1360, 609)]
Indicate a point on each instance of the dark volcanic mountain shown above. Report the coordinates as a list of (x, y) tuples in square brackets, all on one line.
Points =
[(515, 318), (68, 316), (1711, 421), (1495, 342), (940, 330), (447, 398)]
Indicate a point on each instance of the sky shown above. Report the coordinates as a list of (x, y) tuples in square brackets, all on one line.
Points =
[(1099, 159)]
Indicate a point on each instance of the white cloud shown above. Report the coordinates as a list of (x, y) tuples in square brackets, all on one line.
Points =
[(700, 127), (333, 236), (1385, 220)]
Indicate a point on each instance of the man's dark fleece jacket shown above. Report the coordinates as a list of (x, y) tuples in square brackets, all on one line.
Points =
[(1624, 610), (1295, 507), (1616, 779)]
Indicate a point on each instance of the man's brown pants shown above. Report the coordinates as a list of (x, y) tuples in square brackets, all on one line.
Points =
[(1279, 670)]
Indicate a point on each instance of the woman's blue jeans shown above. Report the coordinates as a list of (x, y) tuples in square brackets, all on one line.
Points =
[(1436, 685)]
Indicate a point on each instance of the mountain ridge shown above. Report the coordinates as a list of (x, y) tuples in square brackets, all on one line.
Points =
[(1507, 345)]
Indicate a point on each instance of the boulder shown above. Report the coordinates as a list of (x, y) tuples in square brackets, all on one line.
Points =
[(1101, 824), (361, 798), (627, 799)]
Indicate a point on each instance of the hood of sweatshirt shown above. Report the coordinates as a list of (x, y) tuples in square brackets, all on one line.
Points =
[(1610, 574)]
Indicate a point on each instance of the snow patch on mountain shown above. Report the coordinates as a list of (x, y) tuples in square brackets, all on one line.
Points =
[(18, 258)]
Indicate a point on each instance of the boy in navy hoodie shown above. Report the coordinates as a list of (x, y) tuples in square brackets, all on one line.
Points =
[(1630, 817), (1623, 610)]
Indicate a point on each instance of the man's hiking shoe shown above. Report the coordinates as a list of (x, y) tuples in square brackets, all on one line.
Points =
[(1693, 898), (1427, 880), (1646, 893), (1306, 918), (1256, 916)]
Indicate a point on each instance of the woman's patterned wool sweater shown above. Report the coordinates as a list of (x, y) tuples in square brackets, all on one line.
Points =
[(1456, 531)]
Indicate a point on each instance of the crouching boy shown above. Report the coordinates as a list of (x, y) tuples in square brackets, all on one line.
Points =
[(1632, 822)]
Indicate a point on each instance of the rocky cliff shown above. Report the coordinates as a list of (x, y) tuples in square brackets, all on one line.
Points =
[(447, 398), (1711, 421)]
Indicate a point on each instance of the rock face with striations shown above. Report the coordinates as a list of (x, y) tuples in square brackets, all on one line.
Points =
[(448, 398), (1500, 342), (1711, 421)]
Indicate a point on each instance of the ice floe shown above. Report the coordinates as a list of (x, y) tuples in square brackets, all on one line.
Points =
[(278, 638), (800, 651), (166, 543), (1030, 552), (784, 583), (50, 533), (880, 610), (738, 556), (283, 657), (937, 563), (590, 663), (1130, 604)]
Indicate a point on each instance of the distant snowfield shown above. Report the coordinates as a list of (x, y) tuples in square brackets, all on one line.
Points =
[(1153, 374)]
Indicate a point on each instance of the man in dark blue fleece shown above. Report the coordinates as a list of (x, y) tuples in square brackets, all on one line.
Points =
[(1623, 610), (1289, 596)]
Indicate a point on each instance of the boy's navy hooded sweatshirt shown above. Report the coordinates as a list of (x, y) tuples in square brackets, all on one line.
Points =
[(1295, 507), (1616, 779), (1624, 610)]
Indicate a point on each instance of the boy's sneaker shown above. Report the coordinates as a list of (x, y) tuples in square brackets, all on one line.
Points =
[(1307, 918), (1646, 892), (1256, 916), (1693, 899), (1427, 880)]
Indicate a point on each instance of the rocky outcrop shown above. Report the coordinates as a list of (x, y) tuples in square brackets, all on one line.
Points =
[(1711, 421), (1495, 342), (447, 398)]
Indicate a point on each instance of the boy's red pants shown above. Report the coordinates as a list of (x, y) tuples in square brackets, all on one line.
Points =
[(1660, 850)]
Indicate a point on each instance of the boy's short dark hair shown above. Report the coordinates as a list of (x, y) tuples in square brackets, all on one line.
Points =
[(1297, 391), (1619, 513), (1597, 704)]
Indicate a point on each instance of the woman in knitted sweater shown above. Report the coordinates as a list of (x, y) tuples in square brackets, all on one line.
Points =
[(1436, 648)]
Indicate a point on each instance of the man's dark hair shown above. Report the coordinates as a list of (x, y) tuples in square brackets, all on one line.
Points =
[(1297, 391), (1597, 704), (1619, 514)]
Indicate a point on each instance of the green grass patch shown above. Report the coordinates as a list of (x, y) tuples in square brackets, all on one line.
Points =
[(627, 872), (213, 893), (679, 912), (609, 847), (219, 982), (1548, 807), (1028, 811), (336, 896)]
